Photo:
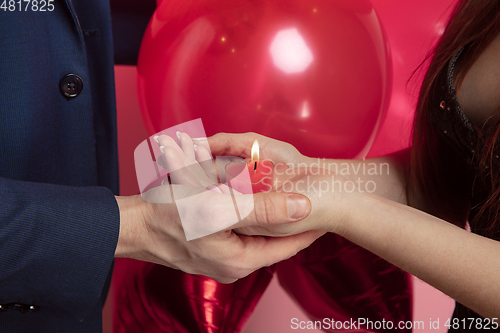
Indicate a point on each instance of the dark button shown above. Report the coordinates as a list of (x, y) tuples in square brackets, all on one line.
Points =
[(33, 308), (71, 85)]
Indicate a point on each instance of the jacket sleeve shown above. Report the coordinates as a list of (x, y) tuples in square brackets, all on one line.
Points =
[(57, 245)]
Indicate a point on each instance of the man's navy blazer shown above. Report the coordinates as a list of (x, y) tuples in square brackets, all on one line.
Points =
[(59, 220)]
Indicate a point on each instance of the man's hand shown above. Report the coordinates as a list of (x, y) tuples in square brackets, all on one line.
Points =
[(153, 232), (332, 199)]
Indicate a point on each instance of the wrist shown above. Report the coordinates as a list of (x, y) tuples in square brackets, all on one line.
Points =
[(132, 221), (347, 216)]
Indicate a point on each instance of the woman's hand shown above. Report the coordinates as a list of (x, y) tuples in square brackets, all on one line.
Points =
[(332, 197), (325, 190), (187, 162), (240, 145), (388, 173)]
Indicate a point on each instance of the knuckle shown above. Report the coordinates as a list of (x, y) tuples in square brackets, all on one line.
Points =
[(265, 210), (240, 272), (231, 273), (169, 152), (239, 266), (289, 146), (220, 137), (224, 280)]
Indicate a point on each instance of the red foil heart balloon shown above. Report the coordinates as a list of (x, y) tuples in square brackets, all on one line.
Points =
[(336, 279), (157, 299)]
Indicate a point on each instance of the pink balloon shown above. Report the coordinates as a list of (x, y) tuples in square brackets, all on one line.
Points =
[(316, 73)]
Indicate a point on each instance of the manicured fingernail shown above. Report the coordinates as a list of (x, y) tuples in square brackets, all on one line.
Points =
[(156, 139), (213, 188), (298, 206), (195, 147), (178, 134), (161, 148)]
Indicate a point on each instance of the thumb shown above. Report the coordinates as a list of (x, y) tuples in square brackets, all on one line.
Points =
[(271, 208)]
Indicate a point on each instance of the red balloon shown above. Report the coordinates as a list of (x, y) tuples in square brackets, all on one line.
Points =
[(314, 73)]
